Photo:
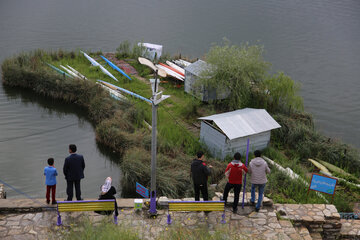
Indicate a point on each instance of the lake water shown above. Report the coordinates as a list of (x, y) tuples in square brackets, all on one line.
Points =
[(317, 43)]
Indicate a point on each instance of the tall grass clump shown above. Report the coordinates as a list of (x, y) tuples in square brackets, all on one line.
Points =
[(298, 136), (104, 230), (173, 173), (201, 233)]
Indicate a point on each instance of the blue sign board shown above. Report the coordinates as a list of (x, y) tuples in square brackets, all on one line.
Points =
[(143, 191), (323, 184)]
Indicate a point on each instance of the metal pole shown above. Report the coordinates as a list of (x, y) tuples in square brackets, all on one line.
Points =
[(246, 164), (153, 153)]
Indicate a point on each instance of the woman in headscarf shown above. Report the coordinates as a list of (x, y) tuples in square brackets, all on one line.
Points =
[(108, 192)]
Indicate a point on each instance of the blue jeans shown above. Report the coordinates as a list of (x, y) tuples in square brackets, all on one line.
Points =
[(261, 193)]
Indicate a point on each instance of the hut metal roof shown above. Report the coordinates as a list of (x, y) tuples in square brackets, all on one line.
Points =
[(197, 67), (243, 122)]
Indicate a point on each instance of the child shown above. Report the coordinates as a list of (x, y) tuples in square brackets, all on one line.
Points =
[(50, 173)]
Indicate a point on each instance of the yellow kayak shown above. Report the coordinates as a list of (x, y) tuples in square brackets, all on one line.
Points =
[(322, 168)]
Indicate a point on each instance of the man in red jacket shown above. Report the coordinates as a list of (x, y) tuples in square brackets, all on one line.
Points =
[(234, 173)]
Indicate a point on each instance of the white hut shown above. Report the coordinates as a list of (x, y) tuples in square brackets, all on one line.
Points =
[(151, 51), (192, 75), (227, 133)]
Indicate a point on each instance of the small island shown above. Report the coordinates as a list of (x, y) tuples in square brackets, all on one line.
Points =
[(241, 79)]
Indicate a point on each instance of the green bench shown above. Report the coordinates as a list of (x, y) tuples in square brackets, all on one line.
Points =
[(81, 206), (189, 206)]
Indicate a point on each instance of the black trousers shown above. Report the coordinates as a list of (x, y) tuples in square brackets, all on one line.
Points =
[(237, 189), (204, 192), (70, 190)]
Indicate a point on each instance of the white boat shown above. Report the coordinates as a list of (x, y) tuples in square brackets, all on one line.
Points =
[(69, 71), (173, 65), (77, 73), (96, 64), (171, 73), (182, 63)]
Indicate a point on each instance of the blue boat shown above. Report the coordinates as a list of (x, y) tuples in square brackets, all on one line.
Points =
[(115, 67), (59, 71)]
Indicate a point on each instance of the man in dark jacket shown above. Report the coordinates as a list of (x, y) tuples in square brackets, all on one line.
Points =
[(74, 171), (200, 172)]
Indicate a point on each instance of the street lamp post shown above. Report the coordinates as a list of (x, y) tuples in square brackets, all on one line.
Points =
[(157, 97)]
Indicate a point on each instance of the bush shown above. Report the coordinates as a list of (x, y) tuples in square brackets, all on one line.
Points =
[(123, 51)]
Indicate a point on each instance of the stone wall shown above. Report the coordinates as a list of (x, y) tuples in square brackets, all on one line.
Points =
[(321, 219)]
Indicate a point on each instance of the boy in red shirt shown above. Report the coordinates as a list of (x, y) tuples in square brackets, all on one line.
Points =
[(234, 173)]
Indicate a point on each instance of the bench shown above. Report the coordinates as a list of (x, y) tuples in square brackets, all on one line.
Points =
[(81, 206), (206, 206)]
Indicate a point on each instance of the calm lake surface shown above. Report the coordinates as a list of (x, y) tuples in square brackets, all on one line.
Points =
[(317, 43)]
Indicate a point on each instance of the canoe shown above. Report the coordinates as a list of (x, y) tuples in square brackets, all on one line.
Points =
[(93, 62), (59, 71), (181, 62), (334, 168), (113, 93), (69, 71), (125, 91), (76, 72), (322, 168), (115, 67), (173, 65), (96, 64), (173, 69), (170, 72)]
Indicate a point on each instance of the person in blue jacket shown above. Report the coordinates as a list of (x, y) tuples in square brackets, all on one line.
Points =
[(74, 166), (50, 181)]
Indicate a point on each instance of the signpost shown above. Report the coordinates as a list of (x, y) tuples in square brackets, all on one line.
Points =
[(324, 184)]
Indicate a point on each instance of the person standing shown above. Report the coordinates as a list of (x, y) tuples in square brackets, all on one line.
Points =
[(258, 169), (50, 181), (74, 166), (199, 173), (234, 171)]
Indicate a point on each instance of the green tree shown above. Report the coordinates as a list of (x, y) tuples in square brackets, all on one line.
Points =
[(235, 68), (282, 93), (244, 74)]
